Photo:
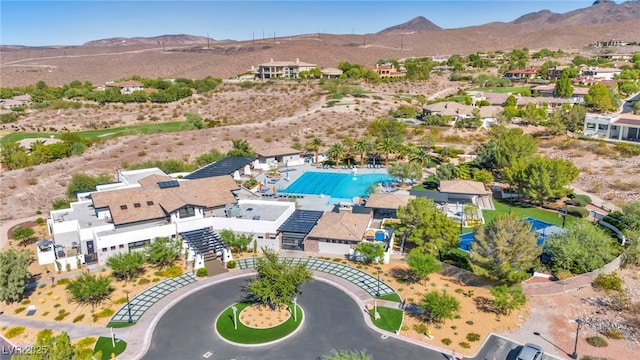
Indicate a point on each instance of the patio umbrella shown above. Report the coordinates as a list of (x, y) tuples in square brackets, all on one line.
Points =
[(236, 175), (247, 170)]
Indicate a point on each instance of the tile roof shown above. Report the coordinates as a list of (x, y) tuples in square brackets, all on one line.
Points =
[(150, 202), (341, 226), (628, 119), (226, 166), (388, 200), (462, 187)]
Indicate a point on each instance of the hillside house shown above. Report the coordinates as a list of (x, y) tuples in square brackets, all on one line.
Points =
[(272, 158), (597, 73), (281, 69), (331, 73), (386, 71), (521, 74), (620, 127), (126, 87)]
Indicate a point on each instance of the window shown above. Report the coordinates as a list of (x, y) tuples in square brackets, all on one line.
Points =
[(187, 211), (123, 207), (113, 247), (136, 205), (121, 246), (138, 244), (149, 203), (104, 249)]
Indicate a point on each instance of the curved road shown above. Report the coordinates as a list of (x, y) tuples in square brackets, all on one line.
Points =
[(333, 320)]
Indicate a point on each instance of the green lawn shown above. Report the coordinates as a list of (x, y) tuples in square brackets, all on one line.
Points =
[(247, 335), (103, 133), (120, 324), (513, 89), (391, 297), (390, 319), (537, 213), (104, 344)]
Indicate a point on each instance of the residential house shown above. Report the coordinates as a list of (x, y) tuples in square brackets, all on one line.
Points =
[(616, 56), (386, 71), (147, 204), (20, 100), (521, 74), (331, 73), (272, 158), (337, 232), (609, 43), (597, 73), (385, 205), (462, 111), (621, 127), (281, 69), (126, 87), (555, 72), (547, 91)]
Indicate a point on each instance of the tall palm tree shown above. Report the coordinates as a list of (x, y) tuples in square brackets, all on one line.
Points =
[(387, 146), (314, 145), (362, 146), (347, 144), (336, 152)]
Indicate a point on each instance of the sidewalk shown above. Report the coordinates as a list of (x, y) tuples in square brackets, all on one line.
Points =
[(6, 225)]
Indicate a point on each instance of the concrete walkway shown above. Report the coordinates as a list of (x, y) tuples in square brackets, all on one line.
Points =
[(6, 225)]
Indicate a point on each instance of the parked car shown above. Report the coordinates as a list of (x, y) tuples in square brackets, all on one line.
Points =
[(530, 352)]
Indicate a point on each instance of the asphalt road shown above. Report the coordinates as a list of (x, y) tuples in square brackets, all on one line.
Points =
[(332, 321)]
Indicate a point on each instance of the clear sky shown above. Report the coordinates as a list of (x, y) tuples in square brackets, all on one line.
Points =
[(39, 23)]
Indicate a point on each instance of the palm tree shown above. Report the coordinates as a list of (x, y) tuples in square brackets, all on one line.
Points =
[(362, 146), (314, 145), (336, 152), (348, 148), (420, 155), (387, 146)]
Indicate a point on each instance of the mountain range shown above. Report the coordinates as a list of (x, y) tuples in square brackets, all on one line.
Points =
[(195, 57)]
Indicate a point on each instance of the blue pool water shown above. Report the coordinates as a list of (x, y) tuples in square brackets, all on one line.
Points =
[(543, 229), (335, 185)]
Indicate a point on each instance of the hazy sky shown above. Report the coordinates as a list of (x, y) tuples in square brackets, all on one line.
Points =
[(36, 23)]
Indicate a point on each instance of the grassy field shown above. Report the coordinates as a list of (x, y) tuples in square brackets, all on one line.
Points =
[(390, 319), (104, 344), (103, 133), (536, 213), (391, 297), (247, 335)]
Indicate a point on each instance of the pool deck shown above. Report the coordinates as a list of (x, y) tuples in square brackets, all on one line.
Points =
[(309, 202)]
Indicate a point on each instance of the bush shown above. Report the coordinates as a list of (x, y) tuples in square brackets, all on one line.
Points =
[(86, 342), (120, 301), (579, 200), (231, 264), (469, 322), (13, 332), (172, 272), (612, 333), (404, 328), (563, 274), (597, 341), (78, 318), (25, 302), (446, 341), (103, 314), (143, 281), (464, 345), (63, 281), (578, 212), (608, 282), (63, 314), (19, 310), (202, 272), (420, 328), (471, 337)]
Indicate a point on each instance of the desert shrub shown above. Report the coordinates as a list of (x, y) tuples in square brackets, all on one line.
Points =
[(471, 337), (86, 342), (105, 313), (231, 264), (13, 332), (120, 301), (404, 328), (19, 310), (143, 281), (202, 272), (464, 345), (420, 328), (469, 322), (63, 281), (56, 306), (613, 333), (608, 282), (78, 318), (25, 302), (61, 315), (410, 300), (597, 341), (446, 341)]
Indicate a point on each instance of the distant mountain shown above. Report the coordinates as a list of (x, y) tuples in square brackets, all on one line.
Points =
[(601, 12), (414, 25), (181, 39)]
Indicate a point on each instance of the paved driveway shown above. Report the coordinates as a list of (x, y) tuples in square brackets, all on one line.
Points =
[(332, 320)]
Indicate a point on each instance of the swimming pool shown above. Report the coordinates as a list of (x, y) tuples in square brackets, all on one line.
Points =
[(543, 228), (335, 185)]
